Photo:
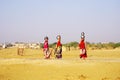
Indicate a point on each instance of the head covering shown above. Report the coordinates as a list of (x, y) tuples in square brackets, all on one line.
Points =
[(82, 35), (58, 36)]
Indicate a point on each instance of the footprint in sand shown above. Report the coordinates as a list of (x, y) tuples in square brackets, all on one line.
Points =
[(2, 77), (67, 77), (118, 78), (105, 78), (82, 77)]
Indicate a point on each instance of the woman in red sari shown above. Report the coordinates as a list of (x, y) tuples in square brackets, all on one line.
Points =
[(82, 47)]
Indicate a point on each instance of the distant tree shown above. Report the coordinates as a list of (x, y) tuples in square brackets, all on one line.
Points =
[(99, 45), (41, 45), (73, 44), (117, 45), (111, 45), (53, 45)]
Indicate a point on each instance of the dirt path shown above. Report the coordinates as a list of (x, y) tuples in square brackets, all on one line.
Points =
[(64, 69), (54, 61)]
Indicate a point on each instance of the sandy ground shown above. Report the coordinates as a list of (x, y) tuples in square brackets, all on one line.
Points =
[(69, 68)]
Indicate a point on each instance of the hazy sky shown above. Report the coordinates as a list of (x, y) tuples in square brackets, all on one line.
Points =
[(32, 20)]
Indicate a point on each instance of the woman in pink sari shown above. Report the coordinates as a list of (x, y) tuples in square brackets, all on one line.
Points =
[(46, 48)]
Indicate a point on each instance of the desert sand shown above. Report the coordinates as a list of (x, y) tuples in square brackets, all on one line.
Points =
[(100, 65)]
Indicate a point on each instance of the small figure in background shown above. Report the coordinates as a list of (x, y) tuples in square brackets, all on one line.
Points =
[(20, 50), (46, 48), (58, 50), (82, 46)]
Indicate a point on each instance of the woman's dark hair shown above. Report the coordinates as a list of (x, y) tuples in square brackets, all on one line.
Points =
[(46, 38)]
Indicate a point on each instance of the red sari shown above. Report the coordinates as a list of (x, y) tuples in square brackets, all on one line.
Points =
[(59, 44), (83, 48)]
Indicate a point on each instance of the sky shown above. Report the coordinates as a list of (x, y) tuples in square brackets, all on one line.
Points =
[(32, 20)]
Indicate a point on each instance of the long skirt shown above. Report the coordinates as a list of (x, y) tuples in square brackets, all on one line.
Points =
[(46, 53), (58, 52), (83, 54)]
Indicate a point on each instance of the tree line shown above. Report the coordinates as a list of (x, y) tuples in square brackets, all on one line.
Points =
[(110, 45)]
